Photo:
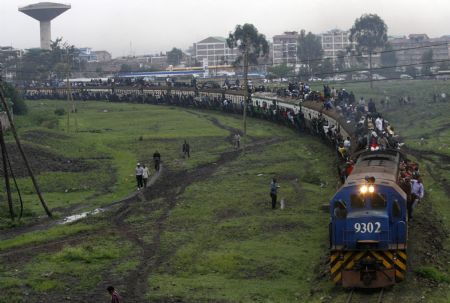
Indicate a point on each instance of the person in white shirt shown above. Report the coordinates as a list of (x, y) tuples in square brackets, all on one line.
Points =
[(379, 124), (417, 193), (347, 144), (139, 171), (145, 175), (237, 141)]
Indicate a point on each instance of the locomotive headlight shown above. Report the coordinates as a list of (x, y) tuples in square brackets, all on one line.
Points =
[(363, 189), (371, 189)]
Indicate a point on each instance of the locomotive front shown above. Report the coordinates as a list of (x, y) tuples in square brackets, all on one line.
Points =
[(368, 229)]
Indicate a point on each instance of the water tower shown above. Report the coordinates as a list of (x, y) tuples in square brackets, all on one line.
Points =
[(45, 12)]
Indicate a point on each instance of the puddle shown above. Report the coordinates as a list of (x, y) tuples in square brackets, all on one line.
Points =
[(76, 217)]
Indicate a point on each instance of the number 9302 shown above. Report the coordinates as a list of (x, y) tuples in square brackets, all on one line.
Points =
[(367, 227)]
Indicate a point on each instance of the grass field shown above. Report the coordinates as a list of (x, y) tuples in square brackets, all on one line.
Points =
[(205, 232)]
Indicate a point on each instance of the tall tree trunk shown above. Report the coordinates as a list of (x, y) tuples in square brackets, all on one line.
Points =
[(245, 96), (22, 153), (370, 69), (5, 173)]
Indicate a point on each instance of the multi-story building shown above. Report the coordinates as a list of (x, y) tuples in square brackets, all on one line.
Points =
[(86, 54), (284, 48), (8, 60), (215, 51), (334, 42), (409, 50), (103, 56)]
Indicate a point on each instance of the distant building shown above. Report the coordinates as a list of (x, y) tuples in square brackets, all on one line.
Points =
[(215, 51), (284, 48), (9, 54), (8, 60), (158, 62), (103, 56), (335, 41), (411, 49), (86, 54)]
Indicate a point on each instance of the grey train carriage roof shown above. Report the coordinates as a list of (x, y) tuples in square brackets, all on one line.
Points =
[(382, 165)]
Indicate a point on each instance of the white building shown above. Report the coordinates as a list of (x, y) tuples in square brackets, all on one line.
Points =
[(335, 41), (215, 51), (285, 48)]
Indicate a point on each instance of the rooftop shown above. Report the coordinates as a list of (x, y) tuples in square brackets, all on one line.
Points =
[(213, 40)]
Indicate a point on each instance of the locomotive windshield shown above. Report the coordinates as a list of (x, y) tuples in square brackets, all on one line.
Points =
[(357, 201), (378, 201), (374, 201)]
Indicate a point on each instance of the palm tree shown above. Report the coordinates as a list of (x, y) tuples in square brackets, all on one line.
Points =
[(251, 46)]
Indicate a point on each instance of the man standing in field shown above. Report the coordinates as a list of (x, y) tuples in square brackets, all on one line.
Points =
[(273, 192), (237, 141), (186, 149), (115, 297), (157, 160)]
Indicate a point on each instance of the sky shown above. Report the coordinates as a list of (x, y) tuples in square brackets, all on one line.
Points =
[(137, 27)]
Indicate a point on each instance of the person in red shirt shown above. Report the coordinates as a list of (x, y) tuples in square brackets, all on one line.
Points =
[(115, 297)]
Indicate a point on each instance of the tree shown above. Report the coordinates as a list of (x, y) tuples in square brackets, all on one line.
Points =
[(369, 32), (309, 50), (444, 66), (427, 58), (19, 106), (251, 46), (411, 70), (327, 68), (124, 68), (280, 71), (340, 61), (388, 59), (39, 64), (174, 56)]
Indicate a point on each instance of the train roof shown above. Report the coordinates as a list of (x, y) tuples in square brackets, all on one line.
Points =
[(382, 165)]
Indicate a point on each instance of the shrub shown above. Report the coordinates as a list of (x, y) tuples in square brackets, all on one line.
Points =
[(433, 274), (60, 112), (19, 106)]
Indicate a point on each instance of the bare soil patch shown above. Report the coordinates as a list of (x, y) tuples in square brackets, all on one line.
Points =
[(42, 160)]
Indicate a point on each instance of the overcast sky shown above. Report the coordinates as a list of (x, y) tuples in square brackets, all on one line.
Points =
[(151, 26)]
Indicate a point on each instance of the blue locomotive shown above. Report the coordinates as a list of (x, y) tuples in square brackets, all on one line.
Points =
[(368, 228)]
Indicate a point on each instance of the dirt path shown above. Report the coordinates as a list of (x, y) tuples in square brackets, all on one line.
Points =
[(170, 185)]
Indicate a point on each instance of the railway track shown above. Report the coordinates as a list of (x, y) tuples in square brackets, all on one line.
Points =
[(365, 297)]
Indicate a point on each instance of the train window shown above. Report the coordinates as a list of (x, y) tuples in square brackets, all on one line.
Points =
[(378, 201), (339, 209), (396, 209), (357, 201)]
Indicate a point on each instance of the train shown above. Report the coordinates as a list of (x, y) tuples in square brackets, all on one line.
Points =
[(368, 226)]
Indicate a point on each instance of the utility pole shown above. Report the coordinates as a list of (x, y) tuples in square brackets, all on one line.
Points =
[(245, 97), (21, 151), (70, 96), (5, 172)]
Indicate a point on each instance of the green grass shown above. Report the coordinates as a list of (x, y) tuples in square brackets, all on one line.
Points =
[(431, 273), (47, 235), (221, 242), (225, 234)]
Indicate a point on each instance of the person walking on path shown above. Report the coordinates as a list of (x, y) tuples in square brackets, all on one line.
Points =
[(417, 193), (157, 160), (273, 192), (237, 141), (145, 175), (186, 149), (139, 172), (115, 297)]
